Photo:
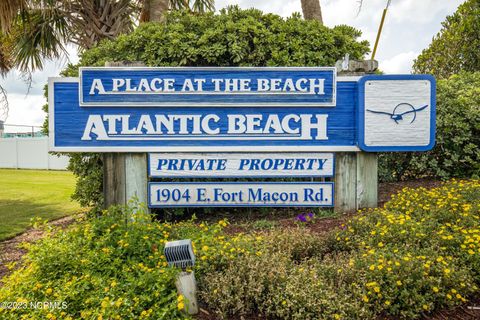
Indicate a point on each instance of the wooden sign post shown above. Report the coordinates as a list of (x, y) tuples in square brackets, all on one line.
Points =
[(124, 174), (247, 122)]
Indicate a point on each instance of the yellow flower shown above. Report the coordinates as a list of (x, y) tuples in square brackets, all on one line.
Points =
[(48, 291), (380, 244), (387, 303), (399, 283), (372, 267), (376, 289), (425, 307), (365, 298), (435, 289), (284, 302), (180, 306), (446, 270), (180, 298), (205, 248)]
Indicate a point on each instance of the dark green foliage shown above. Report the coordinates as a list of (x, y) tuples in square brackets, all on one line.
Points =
[(89, 171), (234, 37), (457, 152), (456, 46)]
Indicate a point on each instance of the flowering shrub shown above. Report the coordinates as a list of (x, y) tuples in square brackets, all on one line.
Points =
[(419, 253), (110, 268)]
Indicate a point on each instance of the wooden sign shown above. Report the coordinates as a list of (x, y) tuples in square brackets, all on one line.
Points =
[(208, 86), (229, 165), (240, 194), (397, 113), (239, 110)]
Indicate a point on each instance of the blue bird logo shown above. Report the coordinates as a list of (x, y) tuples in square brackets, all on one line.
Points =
[(401, 111)]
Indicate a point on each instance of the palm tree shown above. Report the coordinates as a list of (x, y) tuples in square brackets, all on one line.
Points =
[(34, 30), (312, 10)]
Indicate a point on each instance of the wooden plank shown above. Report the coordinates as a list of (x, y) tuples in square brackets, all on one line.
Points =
[(136, 181), (356, 176), (113, 179), (345, 182), (367, 180), (124, 174), (228, 165)]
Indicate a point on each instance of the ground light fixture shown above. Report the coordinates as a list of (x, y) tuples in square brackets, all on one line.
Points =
[(180, 254)]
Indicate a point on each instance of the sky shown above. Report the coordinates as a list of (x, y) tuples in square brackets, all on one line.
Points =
[(408, 29)]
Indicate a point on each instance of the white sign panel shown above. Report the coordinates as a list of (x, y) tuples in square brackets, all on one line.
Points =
[(397, 113), (238, 194), (196, 165)]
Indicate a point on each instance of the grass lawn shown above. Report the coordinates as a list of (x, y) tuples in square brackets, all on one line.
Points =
[(25, 194)]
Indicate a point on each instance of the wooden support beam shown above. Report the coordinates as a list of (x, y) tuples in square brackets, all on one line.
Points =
[(114, 179), (356, 174), (136, 180), (124, 174), (345, 182), (367, 180)]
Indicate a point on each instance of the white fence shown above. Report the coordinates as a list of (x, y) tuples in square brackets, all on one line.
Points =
[(29, 153)]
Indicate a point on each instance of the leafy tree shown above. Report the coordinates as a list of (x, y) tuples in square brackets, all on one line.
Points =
[(456, 46), (234, 37), (457, 151)]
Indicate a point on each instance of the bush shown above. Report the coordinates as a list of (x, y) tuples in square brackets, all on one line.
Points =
[(109, 267), (234, 37), (418, 254), (457, 151)]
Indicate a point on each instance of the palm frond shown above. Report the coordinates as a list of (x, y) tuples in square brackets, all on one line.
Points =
[(199, 6), (203, 6), (41, 35), (3, 104)]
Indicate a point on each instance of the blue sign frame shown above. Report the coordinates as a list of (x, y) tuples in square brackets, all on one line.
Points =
[(361, 113), (211, 121), (68, 123)]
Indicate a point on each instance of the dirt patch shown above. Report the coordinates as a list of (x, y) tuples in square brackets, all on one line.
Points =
[(10, 250)]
